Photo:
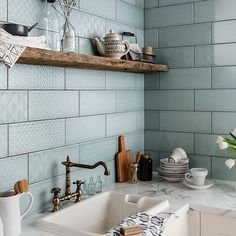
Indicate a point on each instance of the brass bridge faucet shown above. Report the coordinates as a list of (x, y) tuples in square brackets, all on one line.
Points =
[(78, 193)]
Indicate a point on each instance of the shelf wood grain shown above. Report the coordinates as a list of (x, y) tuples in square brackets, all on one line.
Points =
[(35, 56)]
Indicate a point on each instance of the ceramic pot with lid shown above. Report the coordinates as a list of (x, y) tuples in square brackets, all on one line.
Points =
[(112, 46)]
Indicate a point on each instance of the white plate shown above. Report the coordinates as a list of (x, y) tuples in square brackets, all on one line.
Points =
[(180, 163), (208, 183), (172, 171)]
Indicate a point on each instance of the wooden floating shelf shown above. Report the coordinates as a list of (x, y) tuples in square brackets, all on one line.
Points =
[(35, 56)]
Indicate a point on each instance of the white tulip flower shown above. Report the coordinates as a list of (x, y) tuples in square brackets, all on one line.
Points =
[(234, 132), (230, 163), (222, 144)]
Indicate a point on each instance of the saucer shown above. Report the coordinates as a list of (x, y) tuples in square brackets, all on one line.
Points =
[(208, 183)]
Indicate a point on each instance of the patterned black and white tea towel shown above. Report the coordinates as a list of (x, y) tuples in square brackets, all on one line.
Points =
[(153, 225), (11, 47)]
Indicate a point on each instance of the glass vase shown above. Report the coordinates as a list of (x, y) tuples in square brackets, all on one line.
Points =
[(68, 37), (51, 27)]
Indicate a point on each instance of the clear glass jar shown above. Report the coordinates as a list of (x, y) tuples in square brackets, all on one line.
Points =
[(133, 173), (51, 27), (68, 37)]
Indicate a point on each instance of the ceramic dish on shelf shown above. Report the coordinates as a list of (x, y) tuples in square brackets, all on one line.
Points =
[(176, 173), (173, 172), (208, 183), (180, 163)]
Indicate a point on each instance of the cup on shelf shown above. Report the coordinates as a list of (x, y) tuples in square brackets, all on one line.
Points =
[(177, 155), (197, 176)]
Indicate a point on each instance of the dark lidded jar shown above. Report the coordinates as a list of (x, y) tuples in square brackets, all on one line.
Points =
[(145, 168)]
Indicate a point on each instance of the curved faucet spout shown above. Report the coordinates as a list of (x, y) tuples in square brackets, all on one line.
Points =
[(84, 166)]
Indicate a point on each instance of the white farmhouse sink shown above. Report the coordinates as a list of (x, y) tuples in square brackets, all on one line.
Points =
[(97, 215)]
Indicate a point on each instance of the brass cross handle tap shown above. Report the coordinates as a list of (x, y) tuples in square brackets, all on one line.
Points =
[(56, 199), (79, 191)]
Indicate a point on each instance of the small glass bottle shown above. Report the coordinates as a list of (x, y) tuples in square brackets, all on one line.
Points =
[(51, 26), (145, 168), (91, 187), (98, 185), (85, 188)]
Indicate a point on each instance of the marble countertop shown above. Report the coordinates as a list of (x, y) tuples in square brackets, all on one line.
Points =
[(220, 199)]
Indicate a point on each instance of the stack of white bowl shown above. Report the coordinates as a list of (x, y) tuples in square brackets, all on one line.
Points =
[(175, 167)]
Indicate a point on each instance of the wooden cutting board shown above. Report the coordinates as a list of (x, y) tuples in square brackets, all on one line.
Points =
[(123, 160)]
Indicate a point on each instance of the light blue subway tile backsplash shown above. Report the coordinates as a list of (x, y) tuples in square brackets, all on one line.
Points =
[(102, 150), (129, 14), (140, 120), (205, 144), (35, 136), (195, 122), (121, 123), (152, 120), (36, 77), (53, 104), (201, 162), (215, 100), (106, 8), (26, 12), (223, 32), (220, 171), (214, 10), (87, 46), (152, 81), (140, 81), (168, 141), (151, 37), (47, 164), (179, 57), (224, 77), (130, 1), (173, 2), (3, 10), (151, 3), (167, 16), (83, 129), (50, 112), (79, 79), (88, 25), (120, 80), (191, 78), (11, 170), (216, 55), (196, 96), (130, 101), (13, 106), (3, 77), (169, 100), (3, 141), (135, 142), (186, 35), (97, 102), (223, 122)]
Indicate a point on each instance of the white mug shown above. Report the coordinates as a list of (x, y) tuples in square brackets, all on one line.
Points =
[(10, 212), (197, 176), (177, 155)]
